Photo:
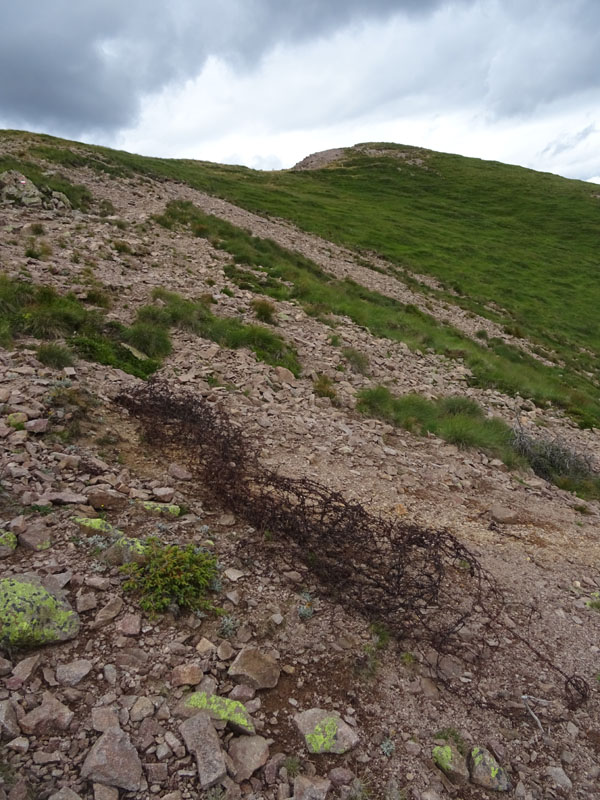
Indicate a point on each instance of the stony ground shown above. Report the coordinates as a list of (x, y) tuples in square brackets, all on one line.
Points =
[(101, 714)]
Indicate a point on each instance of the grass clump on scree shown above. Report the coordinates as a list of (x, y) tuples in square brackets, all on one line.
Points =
[(43, 313), (196, 317), (172, 576), (462, 422), (282, 274)]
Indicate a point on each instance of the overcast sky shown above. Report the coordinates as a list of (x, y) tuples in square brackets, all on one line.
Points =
[(266, 82)]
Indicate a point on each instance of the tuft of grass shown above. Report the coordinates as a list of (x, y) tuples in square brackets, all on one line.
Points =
[(458, 420), (54, 355), (172, 575), (323, 386), (358, 361), (293, 766), (37, 229), (264, 311), (152, 340), (450, 734), (194, 316), (40, 251)]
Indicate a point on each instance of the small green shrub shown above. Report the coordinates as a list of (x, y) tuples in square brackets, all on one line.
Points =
[(358, 361), (264, 311), (323, 386), (172, 575), (37, 229), (54, 355)]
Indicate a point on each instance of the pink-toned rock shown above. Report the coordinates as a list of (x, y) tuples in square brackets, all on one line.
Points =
[(37, 426), (106, 499), (51, 715), (164, 494), (108, 612), (179, 473), (257, 669), (114, 761), (248, 754), (187, 675), (35, 537), (130, 625)]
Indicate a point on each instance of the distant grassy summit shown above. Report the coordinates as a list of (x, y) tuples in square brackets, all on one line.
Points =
[(513, 245)]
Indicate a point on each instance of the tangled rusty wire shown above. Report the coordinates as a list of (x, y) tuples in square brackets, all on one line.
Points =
[(424, 584)]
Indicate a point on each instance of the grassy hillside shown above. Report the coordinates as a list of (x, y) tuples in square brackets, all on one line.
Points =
[(517, 246)]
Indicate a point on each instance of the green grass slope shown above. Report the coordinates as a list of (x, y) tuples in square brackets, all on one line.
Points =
[(512, 244)]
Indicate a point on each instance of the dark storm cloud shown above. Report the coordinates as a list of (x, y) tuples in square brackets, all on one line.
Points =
[(76, 66)]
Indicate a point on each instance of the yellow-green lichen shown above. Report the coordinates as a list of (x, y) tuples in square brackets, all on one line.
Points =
[(231, 711), (442, 756), (161, 508), (97, 524), (8, 539), (31, 616), (17, 419), (322, 739), (477, 756), (133, 545)]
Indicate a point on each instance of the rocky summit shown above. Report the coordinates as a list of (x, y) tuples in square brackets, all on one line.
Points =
[(267, 530)]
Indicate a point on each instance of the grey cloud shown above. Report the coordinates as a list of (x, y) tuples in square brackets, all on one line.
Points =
[(84, 66), (566, 143)]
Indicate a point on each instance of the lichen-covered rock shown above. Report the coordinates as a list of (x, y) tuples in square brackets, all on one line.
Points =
[(31, 615), (8, 543), (126, 550), (161, 508), (231, 711), (486, 772), (325, 731), (451, 762), (97, 524)]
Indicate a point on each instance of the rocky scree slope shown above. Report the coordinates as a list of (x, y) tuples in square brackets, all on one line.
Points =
[(113, 692)]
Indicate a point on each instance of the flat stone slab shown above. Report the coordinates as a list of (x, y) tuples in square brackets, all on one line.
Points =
[(114, 761), (51, 715), (248, 754), (202, 742), (325, 731), (31, 615), (74, 672)]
